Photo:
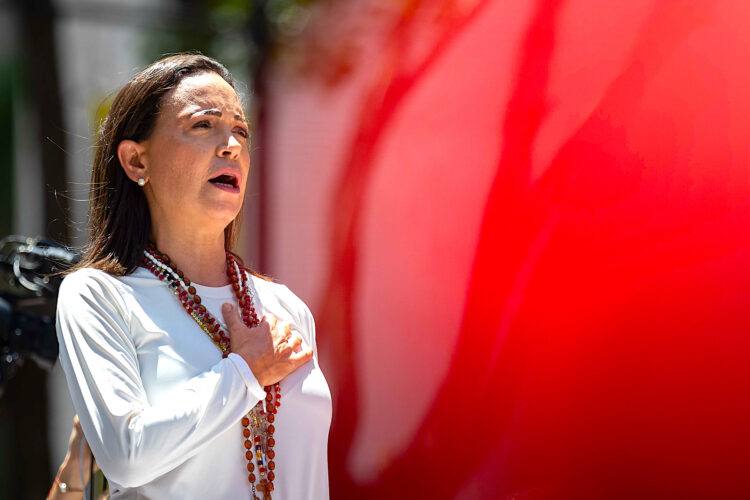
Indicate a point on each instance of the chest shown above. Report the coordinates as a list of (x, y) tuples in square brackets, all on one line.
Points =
[(172, 348)]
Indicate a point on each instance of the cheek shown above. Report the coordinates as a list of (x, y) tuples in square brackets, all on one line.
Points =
[(170, 177), (246, 159), (179, 166)]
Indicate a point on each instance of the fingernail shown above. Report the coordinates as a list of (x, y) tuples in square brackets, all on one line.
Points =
[(226, 306)]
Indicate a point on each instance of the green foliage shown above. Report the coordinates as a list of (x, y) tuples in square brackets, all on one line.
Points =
[(239, 33)]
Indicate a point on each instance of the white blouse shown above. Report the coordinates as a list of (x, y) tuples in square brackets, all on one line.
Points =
[(159, 406)]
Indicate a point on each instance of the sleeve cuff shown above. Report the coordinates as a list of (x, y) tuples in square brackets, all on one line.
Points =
[(247, 375)]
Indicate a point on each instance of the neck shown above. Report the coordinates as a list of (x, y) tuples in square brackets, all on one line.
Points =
[(200, 255)]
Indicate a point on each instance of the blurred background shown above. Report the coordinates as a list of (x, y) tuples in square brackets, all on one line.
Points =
[(522, 227)]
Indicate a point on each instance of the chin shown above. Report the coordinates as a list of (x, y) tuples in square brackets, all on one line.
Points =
[(222, 213)]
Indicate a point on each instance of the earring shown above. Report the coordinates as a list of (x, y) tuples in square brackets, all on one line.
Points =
[(141, 182)]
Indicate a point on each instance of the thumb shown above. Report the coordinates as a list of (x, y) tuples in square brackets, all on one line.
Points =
[(231, 318)]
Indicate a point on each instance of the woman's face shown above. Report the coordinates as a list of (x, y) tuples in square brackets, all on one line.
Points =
[(197, 156)]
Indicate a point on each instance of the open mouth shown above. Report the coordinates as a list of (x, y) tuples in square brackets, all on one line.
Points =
[(227, 180)]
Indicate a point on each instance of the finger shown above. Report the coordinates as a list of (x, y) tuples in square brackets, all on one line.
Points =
[(231, 318), (295, 341), (284, 331), (271, 320), (298, 331), (301, 357)]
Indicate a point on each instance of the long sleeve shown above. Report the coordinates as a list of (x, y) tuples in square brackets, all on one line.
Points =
[(135, 441)]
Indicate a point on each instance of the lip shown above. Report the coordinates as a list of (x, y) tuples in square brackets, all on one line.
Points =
[(226, 188), (227, 171)]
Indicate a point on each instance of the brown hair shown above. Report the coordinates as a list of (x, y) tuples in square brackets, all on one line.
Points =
[(119, 222)]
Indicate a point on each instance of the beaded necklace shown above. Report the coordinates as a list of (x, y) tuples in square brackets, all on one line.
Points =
[(257, 425)]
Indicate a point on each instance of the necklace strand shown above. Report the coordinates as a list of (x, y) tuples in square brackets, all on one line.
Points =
[(257, 425)]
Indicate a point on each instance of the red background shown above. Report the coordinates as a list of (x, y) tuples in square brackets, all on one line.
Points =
[(522, 229)]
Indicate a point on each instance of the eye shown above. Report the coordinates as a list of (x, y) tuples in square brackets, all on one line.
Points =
[(202, 124), (243, 132)]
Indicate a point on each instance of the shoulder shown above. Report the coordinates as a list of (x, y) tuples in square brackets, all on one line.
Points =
[(91, 286), (84, 278), (92, 316)]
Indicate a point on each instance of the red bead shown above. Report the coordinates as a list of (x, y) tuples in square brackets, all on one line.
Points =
[(193, 304)]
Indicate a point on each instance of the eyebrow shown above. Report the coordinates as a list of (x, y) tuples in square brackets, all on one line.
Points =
[(216, 112)]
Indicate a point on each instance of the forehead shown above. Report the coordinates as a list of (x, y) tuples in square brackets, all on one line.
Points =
[(201, 91)]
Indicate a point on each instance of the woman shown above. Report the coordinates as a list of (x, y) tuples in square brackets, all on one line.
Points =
[(176, 356)]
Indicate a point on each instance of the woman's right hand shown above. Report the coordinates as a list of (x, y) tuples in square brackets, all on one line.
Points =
[(271, 349)]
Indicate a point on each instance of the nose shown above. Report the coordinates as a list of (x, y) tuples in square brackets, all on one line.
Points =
[(230, 148)]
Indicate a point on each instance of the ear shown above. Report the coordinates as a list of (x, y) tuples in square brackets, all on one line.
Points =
[(133, 160)]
